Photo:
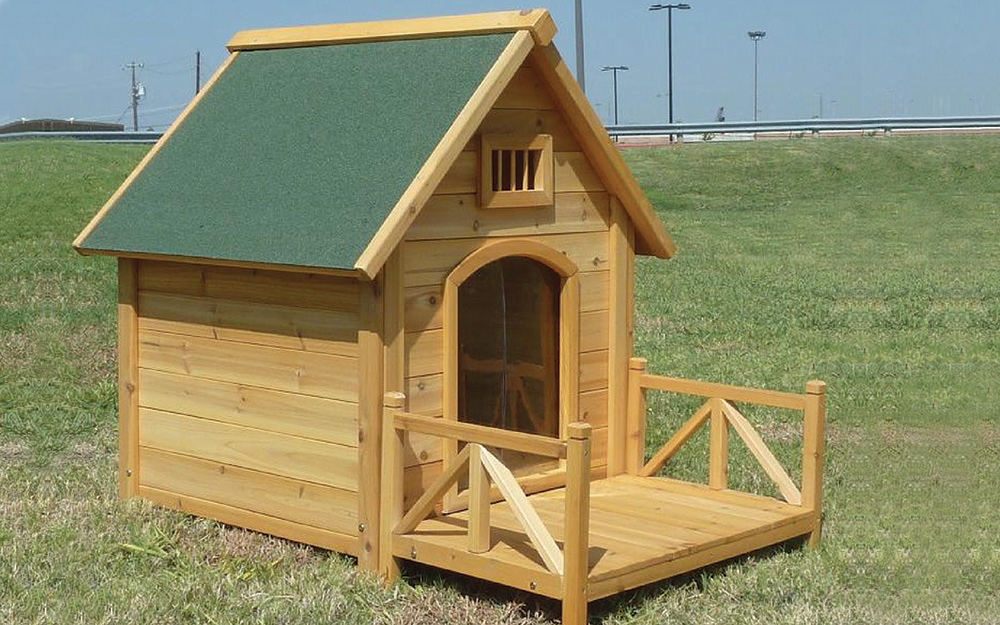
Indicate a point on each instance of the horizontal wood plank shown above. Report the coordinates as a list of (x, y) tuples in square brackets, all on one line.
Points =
[(307, 329), (573, 174), (250, 285), (594, 291), (424, 395), (472, 433), (458, 216), (257, 522), (763, 397), (293, 500), (321, 375), (264, 409), (428, 262), (279, 454), (594, 370), (594, 328), (527, 122), (424, 353), (423, 308), (594, 408), (526, 90)]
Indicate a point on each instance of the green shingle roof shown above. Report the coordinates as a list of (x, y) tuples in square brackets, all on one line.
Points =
[(296, 156)]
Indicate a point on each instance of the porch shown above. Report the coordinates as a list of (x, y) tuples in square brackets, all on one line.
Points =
[(583, 539)]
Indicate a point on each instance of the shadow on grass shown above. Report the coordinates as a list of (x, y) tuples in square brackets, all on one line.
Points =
[(421, 575)]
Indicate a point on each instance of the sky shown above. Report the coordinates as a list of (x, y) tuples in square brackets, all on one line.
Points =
[(844, 59)]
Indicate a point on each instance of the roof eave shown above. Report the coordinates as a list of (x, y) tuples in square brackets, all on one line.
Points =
[(652, 237)]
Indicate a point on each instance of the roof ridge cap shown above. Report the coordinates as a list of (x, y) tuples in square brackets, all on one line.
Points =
[(538, 22)]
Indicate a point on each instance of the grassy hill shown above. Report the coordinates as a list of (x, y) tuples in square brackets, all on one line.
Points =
[(873, 264)]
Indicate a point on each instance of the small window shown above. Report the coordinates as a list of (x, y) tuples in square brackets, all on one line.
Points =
[(517, 172)]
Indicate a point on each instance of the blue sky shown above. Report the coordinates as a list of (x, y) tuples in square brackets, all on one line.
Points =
[(64, 58)]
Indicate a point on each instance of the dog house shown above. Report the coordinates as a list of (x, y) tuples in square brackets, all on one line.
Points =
[(375, 295)]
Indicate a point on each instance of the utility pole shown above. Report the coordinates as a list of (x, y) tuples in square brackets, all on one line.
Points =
[(580, 72), (197, 71), (135, 95)]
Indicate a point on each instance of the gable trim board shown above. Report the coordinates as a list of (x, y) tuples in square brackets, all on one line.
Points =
[(357, 236), (537, 22)]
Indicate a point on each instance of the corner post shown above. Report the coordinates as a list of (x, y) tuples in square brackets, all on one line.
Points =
[(392, 483), (479, 501), (813, 451), (128, 378), (635, 449), (371, 348), (718, 470), (577, 538)]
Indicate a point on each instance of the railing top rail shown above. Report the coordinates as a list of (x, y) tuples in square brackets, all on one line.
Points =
[(481, 434), (777, 399)]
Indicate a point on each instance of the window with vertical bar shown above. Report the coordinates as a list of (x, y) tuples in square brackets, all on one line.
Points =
[(517, 171)]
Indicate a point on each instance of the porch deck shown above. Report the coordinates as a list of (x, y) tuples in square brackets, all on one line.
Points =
[(642, 530), (581, 539)]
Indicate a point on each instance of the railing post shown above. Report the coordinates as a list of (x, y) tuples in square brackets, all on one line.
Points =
[(718, 467), (392, 483), (635, 445), (479, 501), (577, 538), (813, 449)]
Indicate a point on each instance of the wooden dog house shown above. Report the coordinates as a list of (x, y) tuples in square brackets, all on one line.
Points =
[(375, 295)]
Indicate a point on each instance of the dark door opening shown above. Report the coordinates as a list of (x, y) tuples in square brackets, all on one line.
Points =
[(508, 351)]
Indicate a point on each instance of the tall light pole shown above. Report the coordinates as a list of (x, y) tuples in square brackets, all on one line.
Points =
[(670, 51), (614, 69), (755, 36)]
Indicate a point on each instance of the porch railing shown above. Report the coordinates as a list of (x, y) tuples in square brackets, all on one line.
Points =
[(483, 470), (719, 412)]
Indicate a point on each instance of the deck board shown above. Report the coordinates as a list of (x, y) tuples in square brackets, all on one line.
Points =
[(641, 530)]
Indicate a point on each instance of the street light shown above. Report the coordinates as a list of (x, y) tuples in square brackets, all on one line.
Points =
[(614, 69), (670, 50), (755, 36)]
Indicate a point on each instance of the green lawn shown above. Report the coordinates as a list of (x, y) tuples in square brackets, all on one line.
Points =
[(872, 264)]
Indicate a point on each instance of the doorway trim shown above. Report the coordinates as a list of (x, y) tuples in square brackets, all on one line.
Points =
[(569, 341)]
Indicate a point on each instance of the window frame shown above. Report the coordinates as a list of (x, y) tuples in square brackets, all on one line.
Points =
[(541, 196)]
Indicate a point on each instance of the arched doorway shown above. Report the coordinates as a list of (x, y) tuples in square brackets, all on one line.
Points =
[(508, 349), (511, 341)]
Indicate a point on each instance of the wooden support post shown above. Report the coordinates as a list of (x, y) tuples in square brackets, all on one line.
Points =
[(813, 449), (577, 538), (620, 347), (479, 502), (718, 472), (635, 449), (569, 351), (370, 351), (128, 378), (392, 484)]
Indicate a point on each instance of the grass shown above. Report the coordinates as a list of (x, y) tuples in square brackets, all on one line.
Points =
[(872, 264)]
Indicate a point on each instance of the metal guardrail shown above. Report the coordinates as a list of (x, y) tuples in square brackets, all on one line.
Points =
[(885, 124), (100, 137), (808, 126)]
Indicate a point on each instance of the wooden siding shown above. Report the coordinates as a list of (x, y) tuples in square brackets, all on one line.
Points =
[(248, 397), (453, 224)]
